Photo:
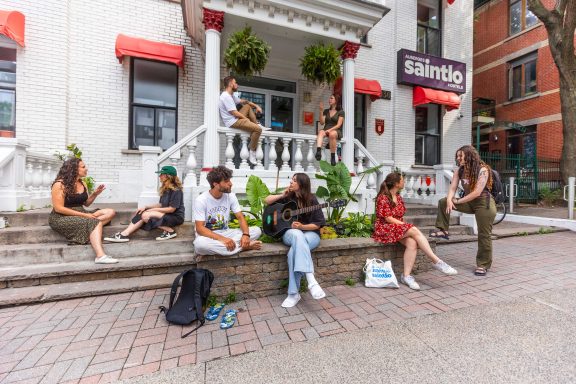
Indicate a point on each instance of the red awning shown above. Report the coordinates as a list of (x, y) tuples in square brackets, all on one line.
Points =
[(146, 49), (451, 2), (364, 86), (426, 95), (12, 25)]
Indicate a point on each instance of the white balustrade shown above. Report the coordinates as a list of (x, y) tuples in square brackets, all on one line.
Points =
[(244, 153), (285, 155), (420, 186), (259, 155), (298, 156), (272, 155), (310, 158)]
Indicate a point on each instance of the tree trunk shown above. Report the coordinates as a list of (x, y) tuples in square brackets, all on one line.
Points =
[(568, 107)]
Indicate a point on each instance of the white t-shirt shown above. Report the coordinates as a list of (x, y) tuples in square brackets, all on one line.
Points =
[(215, 213), (226, 104)]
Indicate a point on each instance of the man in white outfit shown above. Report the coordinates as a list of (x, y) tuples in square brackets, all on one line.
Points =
[(212, 213), (244, 119)]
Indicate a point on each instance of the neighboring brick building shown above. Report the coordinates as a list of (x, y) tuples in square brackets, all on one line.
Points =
[(515, 82)]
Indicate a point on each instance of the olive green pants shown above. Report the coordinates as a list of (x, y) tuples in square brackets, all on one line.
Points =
[(484, 219)]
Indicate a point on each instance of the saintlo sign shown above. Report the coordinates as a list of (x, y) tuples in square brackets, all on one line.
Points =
[(415, 68)]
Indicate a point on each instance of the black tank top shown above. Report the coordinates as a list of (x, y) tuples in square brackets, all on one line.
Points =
[(76, 199)]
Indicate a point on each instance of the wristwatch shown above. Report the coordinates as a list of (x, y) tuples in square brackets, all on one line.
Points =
[(246, 234)]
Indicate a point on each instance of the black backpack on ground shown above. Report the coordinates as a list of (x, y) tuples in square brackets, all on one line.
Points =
[(497, 188), (192, 297)]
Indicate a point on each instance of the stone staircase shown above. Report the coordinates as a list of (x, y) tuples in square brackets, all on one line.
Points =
[(37, 265)]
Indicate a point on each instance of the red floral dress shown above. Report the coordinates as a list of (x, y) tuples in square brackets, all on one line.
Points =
[(385, 232)]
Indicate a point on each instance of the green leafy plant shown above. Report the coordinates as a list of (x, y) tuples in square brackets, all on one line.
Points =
[(544, 231), (327, 233), (247, 54), (321, 63), (74, 151), (338, 184), (522, 233), (212, 300), (230, 298), (21, 208), (283, 284), (350, 281), (358, 225), (303, 285), (548, 197), (256, 192)]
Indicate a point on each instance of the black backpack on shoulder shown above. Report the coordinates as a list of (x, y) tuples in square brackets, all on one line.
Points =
[(192, 297), (497, 188)]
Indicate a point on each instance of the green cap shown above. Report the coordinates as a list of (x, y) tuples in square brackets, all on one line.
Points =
[(167, 170)]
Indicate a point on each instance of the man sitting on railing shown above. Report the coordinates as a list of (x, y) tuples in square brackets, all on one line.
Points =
[(211, 214), (244, 119)]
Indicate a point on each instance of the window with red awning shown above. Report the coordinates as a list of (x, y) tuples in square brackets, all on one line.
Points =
[(363, 86), (146, 49), (12, 25), (423, 95)]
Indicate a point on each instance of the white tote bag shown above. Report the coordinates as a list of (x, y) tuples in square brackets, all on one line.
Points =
[(379, 274)]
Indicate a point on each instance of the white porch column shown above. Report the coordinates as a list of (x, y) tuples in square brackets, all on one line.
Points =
[(349, 51), (213, 24), (149, 194)]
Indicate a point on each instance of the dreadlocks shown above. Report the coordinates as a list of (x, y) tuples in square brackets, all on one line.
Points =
[(472, 166)]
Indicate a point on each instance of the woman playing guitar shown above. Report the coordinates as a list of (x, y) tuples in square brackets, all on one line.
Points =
[(303, 237)]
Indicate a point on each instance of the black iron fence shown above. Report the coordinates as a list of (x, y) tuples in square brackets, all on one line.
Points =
[(532, 175)]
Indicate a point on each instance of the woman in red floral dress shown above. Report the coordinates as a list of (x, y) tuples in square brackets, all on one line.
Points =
[(391, 228)]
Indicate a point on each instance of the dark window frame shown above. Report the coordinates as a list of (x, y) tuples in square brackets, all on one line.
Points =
[(426, 134), (364, 108), (427, 28), (521, 63), (133, 105), (523, 16)]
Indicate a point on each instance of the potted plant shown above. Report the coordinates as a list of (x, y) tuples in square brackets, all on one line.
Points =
[(321, 63), (247, 54)]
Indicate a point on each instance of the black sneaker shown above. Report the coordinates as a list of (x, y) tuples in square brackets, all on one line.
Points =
[(318, 154), (166, 235), (117, 238)]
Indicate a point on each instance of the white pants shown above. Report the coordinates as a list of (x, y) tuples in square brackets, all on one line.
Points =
[(206, 246)]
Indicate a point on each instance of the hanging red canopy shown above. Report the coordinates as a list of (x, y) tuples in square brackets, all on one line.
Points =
[(423, 95), (12, 26), (364, 86), (146, 49), (451, 2)]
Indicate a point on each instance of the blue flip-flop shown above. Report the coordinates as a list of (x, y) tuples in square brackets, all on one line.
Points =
[(228, 319), (214, 311)]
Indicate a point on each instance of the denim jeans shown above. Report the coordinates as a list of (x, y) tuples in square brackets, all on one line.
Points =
[(299, 256)]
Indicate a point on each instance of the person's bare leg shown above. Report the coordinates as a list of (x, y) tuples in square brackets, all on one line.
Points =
[(254, 245), (105, 215), (96, 240), (167, 229), (320, 138), (409, 254), (333, 139), (423, 243), (132, 228)]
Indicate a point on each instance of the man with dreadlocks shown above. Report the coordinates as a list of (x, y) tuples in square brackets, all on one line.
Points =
[(476, 178)]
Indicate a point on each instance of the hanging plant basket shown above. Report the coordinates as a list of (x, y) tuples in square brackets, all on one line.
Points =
[(321, 63), (247, 54)]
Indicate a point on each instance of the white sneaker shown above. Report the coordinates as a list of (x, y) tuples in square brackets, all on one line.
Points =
[(105, 260), (444, 268), (291, 301), (264, 128), (410, 282), (252, 157), (317, 292)]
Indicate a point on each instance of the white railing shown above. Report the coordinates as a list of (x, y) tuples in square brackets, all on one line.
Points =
[(427, 185), (41, 171)]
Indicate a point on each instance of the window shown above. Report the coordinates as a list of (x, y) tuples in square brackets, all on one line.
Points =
[(427, 149), (429, 33), (7, 92), (360, 118), (522, 76), (154, 104), (520, 16)]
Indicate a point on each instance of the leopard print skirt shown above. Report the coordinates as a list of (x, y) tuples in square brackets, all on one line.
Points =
[(75, 229)]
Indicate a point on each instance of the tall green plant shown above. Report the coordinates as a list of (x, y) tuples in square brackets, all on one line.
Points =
[(256, 192), (338, 183), (74, 151), (247, 54)]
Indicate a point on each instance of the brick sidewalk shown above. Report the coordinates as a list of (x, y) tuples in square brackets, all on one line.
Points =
[(108, 338)]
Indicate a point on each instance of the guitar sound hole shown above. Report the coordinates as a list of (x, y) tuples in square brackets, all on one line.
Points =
[(286, 215)]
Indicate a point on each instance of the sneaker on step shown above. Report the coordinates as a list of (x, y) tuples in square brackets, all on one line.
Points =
[(264, 128), (410, 282), (444, 268), (105, 260), (117, 238), (291, 301), (252, 157), (167, 235)]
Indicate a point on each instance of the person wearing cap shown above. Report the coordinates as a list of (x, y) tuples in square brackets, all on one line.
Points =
[(211, 215), (165, 215)]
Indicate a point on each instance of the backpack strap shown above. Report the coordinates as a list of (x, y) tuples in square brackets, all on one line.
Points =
[(173, 291), (200, 287)]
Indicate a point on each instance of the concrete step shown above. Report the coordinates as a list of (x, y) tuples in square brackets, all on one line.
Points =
[(39, 217), (29, 254), (59, 273), (420, 209), (45, 234), (53, 292), (428, 220)]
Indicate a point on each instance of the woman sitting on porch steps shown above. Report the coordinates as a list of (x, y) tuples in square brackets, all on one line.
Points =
[(166, 215), (69, 218), (391, 228)]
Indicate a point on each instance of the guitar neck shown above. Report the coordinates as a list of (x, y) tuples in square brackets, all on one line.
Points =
[(309, 209)]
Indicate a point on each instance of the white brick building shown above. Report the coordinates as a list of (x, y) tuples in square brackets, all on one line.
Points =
[(71, 88)]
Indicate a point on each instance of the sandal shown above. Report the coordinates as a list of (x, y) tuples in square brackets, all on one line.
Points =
[(438, 234), (228, 319), (480, 271), (214, 311)]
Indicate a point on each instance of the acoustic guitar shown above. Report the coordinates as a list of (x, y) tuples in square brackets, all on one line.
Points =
[(278, 218)]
